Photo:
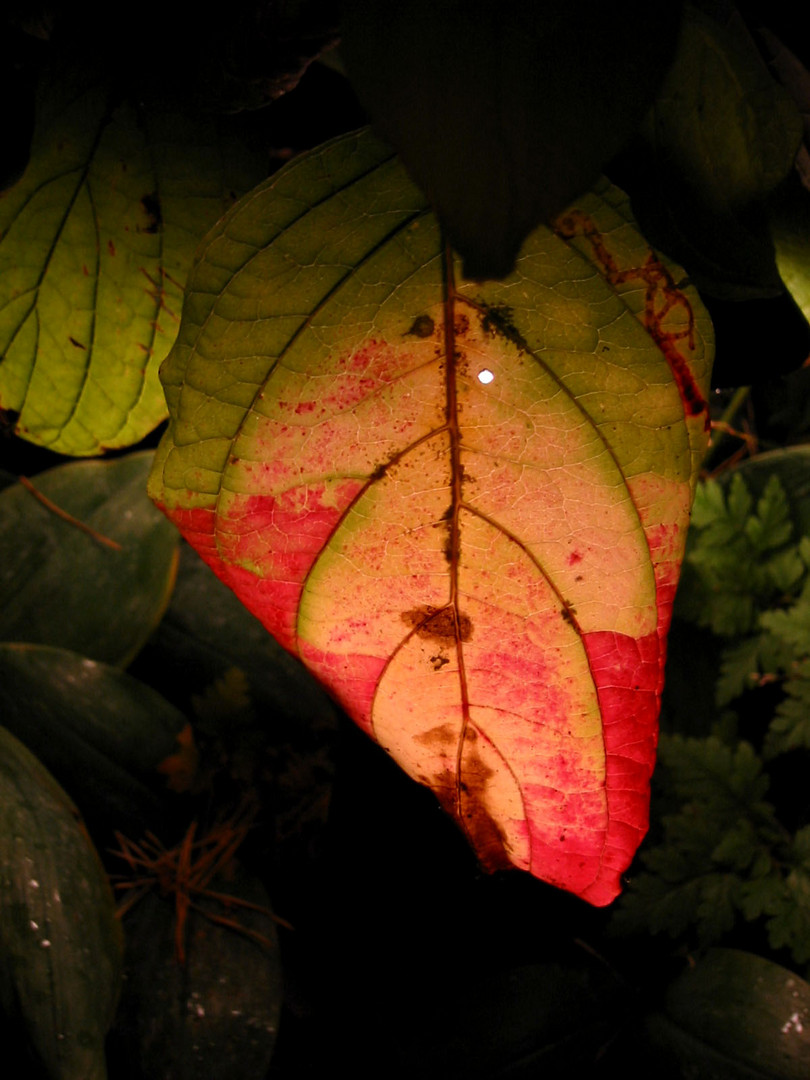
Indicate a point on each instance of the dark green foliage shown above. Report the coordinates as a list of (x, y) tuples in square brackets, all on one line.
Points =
[(725, 853), (406, 960), (480, 101)]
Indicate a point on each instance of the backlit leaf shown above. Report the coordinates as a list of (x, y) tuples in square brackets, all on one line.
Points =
[(95, 243), (463, 505)]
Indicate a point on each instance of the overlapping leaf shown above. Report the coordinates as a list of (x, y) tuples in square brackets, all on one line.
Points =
[(95, 243), (463, 505), (505, 113), (110, 740), (738, 1016), (60, 945), (97, 584)]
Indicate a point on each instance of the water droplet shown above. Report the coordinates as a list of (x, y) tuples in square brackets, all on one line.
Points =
[(33, 884), (793, 1023), (34, 925), (45, 943), (485, 375)]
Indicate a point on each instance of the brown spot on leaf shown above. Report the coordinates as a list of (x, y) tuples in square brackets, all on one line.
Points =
[(111, 247), (78, 344), (483, 832), (461, 324), (442, 625), (439, 662), (422, 327), (498, 320), (443, 737)]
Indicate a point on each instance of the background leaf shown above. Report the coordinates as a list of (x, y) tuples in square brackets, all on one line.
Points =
[(719, 139), (445, 577), (95, 243), (723, 135), (60, 945), (736, 1016), (504, 114), (217, 1014), (60, 586), (108, 739)]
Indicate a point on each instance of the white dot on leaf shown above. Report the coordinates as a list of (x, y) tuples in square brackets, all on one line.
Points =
[(485, 376)]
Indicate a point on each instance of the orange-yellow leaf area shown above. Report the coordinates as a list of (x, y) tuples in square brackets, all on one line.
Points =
[(476, 551)]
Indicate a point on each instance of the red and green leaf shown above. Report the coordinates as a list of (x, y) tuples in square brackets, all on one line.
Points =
[(462, 504)]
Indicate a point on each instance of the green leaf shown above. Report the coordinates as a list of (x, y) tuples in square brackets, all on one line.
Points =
[(789, 210), (720, 853), (60, 944), (503, 114), (109, 740), (95, 243), (790, 925), (217, 1014), (722, 134), (60, 585), (728, 779), (739, 554), (790, 727), (736, 1016), (463, 505)]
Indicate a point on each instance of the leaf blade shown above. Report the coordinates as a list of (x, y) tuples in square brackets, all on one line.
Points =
[(475, 516), (95, 243)]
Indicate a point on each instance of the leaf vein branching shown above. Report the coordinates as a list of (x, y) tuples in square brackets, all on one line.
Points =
[(306, 324), (257, 194), (564, 604), (161, 239), (83, 173), (88, 355)]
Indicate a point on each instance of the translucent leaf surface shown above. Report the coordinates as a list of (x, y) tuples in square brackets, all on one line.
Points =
[(95, 243), (462, 504)]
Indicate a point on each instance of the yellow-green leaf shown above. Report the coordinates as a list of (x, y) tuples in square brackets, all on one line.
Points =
[(95, 243)]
